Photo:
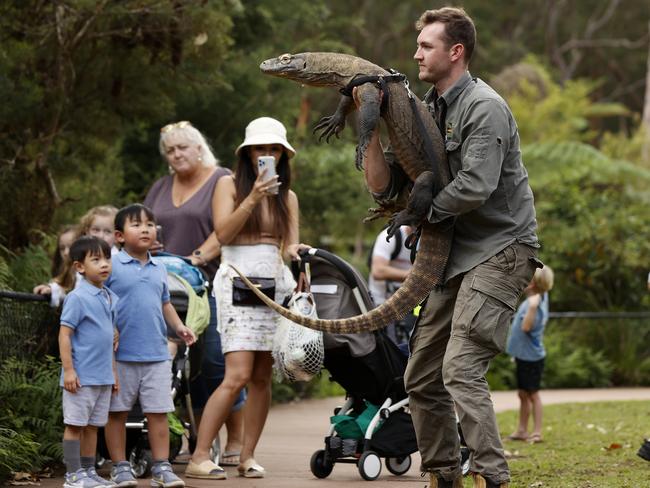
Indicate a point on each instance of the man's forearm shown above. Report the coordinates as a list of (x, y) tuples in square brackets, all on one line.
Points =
[(376, 168)]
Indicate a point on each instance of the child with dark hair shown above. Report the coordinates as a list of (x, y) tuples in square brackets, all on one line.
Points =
[(142, 360), (86, 349)]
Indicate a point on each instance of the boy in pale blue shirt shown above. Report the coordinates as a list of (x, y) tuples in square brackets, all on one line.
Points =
[(86, 349), (142, 357)]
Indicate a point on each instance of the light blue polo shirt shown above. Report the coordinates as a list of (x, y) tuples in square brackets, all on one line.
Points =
[(91, 313), (142, 289), (529, 346)]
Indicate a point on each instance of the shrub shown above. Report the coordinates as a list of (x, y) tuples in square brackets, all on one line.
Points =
[(572, 365), (32, 406), (17, 451)]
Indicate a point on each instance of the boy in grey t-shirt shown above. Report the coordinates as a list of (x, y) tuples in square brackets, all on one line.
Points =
[(86, 349)]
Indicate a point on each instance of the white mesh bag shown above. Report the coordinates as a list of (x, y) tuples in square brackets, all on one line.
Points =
[(298, 351)]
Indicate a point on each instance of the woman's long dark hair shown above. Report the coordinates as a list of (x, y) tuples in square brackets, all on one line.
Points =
[(278, 204)]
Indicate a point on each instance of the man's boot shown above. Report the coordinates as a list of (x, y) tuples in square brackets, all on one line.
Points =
[(480, 482), (436, 482)]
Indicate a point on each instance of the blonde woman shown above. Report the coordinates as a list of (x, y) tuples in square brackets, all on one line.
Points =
[(184, 204)]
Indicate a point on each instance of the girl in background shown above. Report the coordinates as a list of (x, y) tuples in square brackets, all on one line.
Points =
[(526, 345), (97, 222)]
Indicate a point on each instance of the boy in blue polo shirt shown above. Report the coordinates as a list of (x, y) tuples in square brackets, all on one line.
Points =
[(86, 349), (142, 359)]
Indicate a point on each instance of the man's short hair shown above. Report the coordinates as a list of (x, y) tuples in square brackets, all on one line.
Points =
[(89, 245), (459, 27)]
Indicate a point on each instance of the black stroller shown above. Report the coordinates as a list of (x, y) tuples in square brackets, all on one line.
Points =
[(378, 367), (370, 367)]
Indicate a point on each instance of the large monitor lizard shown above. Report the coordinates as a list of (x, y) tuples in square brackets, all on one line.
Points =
[(410, 146)]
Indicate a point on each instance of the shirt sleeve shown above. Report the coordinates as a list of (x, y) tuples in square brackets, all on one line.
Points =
[(383, 248), (57, 294), (398, 179), (71, 313), (165, 291), (152, 194), (486, 137)]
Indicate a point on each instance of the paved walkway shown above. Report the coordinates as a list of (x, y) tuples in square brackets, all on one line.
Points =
[(294, 431)]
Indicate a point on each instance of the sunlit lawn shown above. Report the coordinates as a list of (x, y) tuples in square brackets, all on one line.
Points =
[(581, 447)]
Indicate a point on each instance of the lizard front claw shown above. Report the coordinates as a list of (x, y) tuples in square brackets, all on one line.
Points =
[(329, 126)]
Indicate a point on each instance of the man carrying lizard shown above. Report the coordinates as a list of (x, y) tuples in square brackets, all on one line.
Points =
[(464, 324)]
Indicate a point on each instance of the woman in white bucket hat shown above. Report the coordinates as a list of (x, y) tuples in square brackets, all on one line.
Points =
[(256, 221)]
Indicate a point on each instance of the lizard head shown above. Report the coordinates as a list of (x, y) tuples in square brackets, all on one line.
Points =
[(287, 65), (313, 68)]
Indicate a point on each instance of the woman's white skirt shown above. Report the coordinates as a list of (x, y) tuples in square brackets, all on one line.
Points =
[(246, 328)]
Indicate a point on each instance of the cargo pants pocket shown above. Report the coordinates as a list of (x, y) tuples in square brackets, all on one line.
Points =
[(487, 315)]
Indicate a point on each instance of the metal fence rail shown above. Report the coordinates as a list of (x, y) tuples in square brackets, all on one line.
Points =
[(28, 325), (599, 315)]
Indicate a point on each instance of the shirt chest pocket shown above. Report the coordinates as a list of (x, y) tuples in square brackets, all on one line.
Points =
[(454, 158)]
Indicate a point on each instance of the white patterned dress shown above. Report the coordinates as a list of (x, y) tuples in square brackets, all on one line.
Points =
[(245, 328)]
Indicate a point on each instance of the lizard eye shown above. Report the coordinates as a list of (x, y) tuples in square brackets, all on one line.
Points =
[(285, 58)]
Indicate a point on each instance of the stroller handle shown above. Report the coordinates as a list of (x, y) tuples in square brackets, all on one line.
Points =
[(342, 266)]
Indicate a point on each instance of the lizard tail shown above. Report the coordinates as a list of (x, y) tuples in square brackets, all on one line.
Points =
[(427, 273)]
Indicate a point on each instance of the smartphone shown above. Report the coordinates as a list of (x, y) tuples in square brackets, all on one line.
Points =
[(268, 163), (159, 235)]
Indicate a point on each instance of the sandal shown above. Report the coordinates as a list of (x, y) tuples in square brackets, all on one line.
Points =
[(250, 469), (205, 470), (535, 439), (230, 458)]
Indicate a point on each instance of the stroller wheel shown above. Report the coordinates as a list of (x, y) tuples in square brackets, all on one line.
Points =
[(141, 461), (320, 464), (369, 465), (398, 465)]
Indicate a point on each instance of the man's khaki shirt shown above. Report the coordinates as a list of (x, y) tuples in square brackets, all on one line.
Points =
[(489, 196)]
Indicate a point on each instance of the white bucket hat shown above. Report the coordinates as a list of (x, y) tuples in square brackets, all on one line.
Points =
[(266, 130)]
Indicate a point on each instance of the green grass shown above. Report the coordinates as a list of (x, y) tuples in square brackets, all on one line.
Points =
[(577, 449)]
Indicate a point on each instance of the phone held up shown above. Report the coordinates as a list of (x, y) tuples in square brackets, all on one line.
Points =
[(268, 163)]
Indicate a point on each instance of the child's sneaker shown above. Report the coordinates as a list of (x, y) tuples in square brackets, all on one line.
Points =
[(80, 479), (92, 474), (162, 476), (122, 475)]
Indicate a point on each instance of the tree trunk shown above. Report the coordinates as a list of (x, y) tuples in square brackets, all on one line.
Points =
[(645, 121)]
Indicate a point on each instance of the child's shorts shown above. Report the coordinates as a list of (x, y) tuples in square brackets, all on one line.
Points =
[(151, 383), (89, 406), (529, 374)]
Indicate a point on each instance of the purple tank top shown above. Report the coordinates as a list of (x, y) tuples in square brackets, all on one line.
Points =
[(186, 227)]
